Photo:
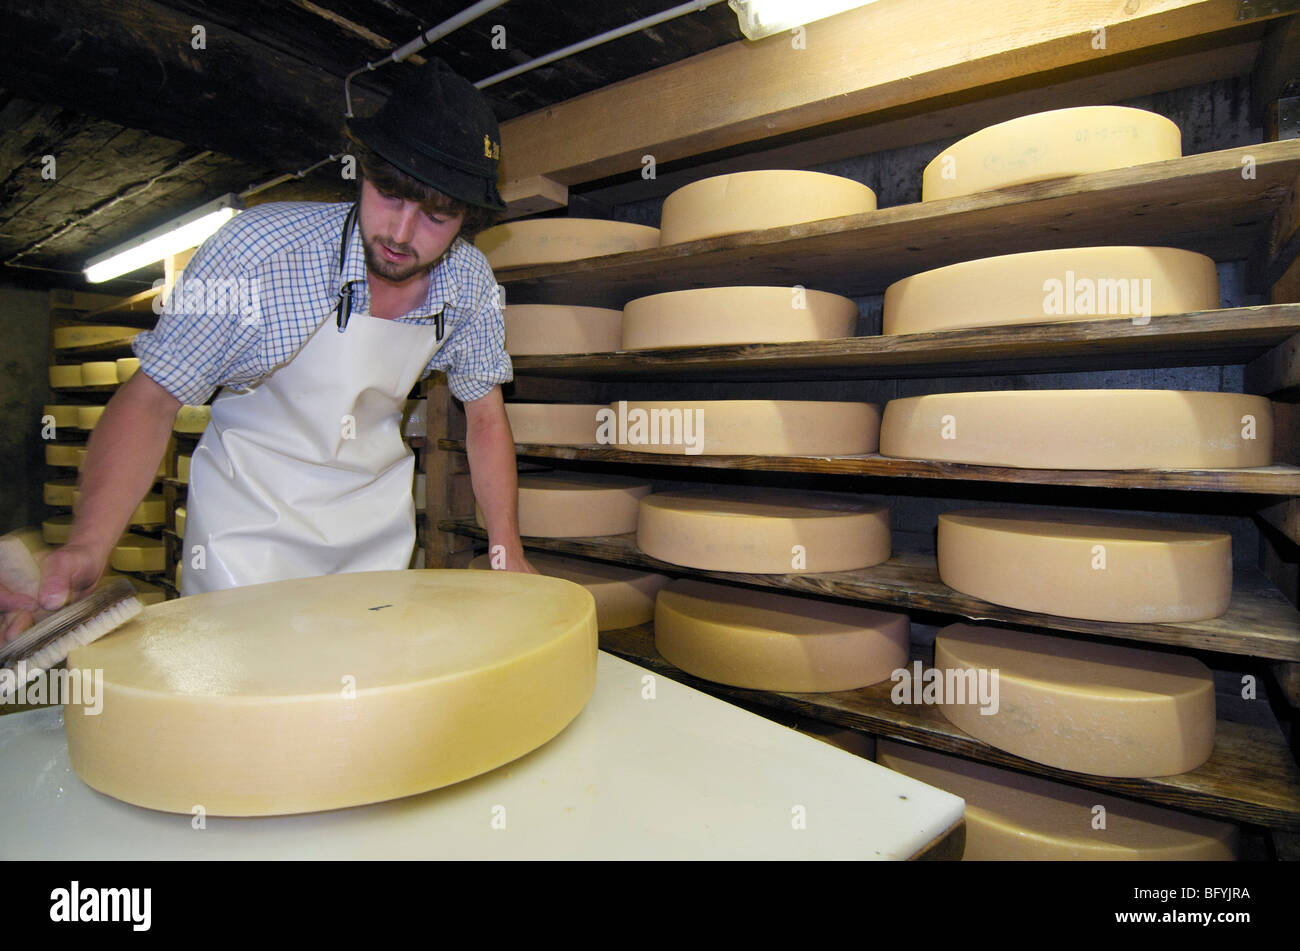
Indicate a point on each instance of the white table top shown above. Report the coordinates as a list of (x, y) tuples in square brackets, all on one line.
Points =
[(681, 776)]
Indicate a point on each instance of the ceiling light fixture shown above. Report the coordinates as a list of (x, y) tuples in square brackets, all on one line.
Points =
[(760, 18), (187, 231)]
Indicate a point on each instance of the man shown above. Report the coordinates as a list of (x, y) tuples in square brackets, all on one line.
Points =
[(302, 470)]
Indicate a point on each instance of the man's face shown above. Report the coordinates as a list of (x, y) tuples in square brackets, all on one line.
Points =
[(402, 242)]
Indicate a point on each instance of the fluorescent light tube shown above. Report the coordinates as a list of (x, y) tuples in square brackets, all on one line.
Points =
[(760, 18), (187, 231)]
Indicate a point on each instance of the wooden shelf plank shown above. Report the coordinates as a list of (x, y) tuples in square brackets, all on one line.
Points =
[(1283, 480), (1200, 202), (1259, 622), (141, 303), (1250, 777), (1206, 338)]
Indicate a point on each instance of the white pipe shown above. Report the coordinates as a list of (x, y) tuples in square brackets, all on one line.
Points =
[(634, 27)]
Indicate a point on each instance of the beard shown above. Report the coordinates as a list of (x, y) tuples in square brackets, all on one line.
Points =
[(392, 271)]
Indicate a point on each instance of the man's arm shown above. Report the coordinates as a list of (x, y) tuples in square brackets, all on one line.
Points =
[(491, 449)]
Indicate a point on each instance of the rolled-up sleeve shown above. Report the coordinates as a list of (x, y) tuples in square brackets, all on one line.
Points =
[(474, 355)]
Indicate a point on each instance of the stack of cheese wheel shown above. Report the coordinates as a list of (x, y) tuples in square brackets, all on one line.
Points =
[(1082, 429), (554, 424), (298, 696), (1068, 284), (1080, 705), (126, 367), (535, 329), (1100, 567), (724, 315), (577, 505), (60, 492), (765, 641), (93, 335), (88, 416), (554, 240), (65, 375), (62, 454), (752, 201), (1011, 816), (763, 531), (744, 427), (63, 414), (625, 597), (1052, 144), (138, 553), (192, 419)]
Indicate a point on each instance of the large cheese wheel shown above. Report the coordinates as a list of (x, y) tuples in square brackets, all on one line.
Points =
[(93, 335), (733, 315), (1049, 145), (554, 424), (751, 201), (1080, 705), (1100, 567), (765, 641), (180, 520), (126, 368), (57, 530), (63, 376), (553, 240), (192, 419), (139, 553), (533, 329), (1036, 287), (321, 693), (60, 491), (1010, 816), (62, 454), (577, 505), (625, 597), (1082, 429), (763, 531), (183, 468), (99, 373), (63, 414), (152, 510), (88, 416), (743, 427)]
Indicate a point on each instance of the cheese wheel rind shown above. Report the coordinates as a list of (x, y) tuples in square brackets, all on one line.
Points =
[(555, 240), (714, 316), (1011, 816), (554, 424), (757, 200), (139, 553), (88, 416), (1088, 707), (63, 414), (62, 454), (65, 376), (99, 373), (543, 329), (1049, 145), (57, 530), (763, 531), (299, 696), (1060, 284), (765, 641), (1094, 567), (1082, 429), (576, 505), (93, 335), (126, 367), (743, 427), (192, 419)]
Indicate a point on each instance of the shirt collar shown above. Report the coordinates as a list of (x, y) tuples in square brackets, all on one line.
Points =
[(442, 290)]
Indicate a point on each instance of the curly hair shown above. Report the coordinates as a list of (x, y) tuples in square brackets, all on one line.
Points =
[(391, 180)]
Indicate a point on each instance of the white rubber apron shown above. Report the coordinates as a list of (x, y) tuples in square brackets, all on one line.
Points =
[(306, 474)]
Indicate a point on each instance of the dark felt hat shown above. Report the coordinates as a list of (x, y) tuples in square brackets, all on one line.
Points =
[(438, 128)]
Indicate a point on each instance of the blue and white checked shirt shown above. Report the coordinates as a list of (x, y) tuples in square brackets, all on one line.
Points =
[(257, 289)]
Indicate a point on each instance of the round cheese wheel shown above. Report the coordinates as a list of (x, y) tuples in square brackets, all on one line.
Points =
[(139, 553), (183, 468), (81, 457), (1011, 816), (736, 315), (752, 201), (62, 454), (88, 416), (151, 511), (1067, 284), (1099, 567), (63, 414), (60, 491), (63, 376), (1050, 145), (1082, 429), (576, 505), (321, 693), (763, 531), (99, 373), (533, 329), (93, 335), (126, 367), (147, 593), (743, 427), (192, 419), (1079, 705), (765, 641), (57, 530), (553, 240), (180, 520), (625, 597), (554, 424)]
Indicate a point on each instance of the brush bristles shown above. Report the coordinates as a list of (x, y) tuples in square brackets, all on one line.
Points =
[(81, 635)]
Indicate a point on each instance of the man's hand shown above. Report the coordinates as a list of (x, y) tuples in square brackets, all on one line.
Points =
[(503, 558), (68, 574)]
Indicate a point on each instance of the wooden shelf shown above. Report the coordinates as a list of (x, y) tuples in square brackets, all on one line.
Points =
[(1250, 777), (137, 304), (1198, 202), (1265, 480), (1205, 338), (94, 350), (1259, 622)]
